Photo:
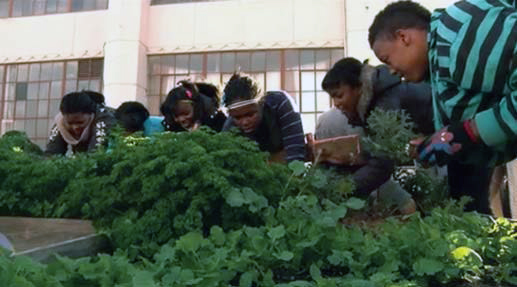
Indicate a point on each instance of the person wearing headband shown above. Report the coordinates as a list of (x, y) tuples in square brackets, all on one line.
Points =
[(82, 125), (191, 105), (270, 121)]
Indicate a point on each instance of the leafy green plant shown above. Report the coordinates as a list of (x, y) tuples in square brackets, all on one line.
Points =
[(428, 189), (389, 133), (204, 209)]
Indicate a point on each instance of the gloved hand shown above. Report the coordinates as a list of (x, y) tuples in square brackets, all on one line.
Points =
[(446, 143)]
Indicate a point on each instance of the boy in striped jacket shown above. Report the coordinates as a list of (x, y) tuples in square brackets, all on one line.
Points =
[(467, 52)]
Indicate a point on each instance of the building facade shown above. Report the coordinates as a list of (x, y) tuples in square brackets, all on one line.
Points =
[(139, 49)]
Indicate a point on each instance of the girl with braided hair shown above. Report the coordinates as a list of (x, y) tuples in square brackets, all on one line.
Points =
[(191, 105)]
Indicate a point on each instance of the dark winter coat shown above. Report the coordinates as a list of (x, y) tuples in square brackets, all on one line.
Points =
[(101, 125), (381, 89)]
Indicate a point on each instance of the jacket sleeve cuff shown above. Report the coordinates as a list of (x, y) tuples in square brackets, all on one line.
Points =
[(489, 130)]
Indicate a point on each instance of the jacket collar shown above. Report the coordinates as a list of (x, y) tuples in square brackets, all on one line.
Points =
[(366, 97)]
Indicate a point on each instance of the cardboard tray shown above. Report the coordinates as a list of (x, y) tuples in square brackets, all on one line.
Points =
[(343, 150)]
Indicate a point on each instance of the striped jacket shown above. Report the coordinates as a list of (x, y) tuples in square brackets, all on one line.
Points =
[(473, 72), (280, 128)]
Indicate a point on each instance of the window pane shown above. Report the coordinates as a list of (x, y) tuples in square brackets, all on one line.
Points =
[(33, 91), (292, 61), (153, 88), (154, 105), (51, 6), (273, 60), (11, 91), (96, 68), (292, 81), (19, 125), (258, 61), (307, 59), (27, 8), (17, 8), (153, 65), (32, 109), (182, 64), (62, 6), (319, 80), (308, 81), (77, 5), (9, 110), (2, 69), (4, 8), (54, 108), (323, 102), (89, 5), (196, 63), (44, 89), (95, 85), (21, 91), (243, 61), (34, 72), (309, 123), (337, 54), (43, 109), (42, 128), (23, 73), (322, 59), (167, 84), (22, 8), (71, 70), (101, 4), (273, 80), (83, 85), (50, 122), (213, 62), (46, 72), (228, 62), (55, 90), (20, 109), (308, 102), (11, 73), (83, 69), (39, 7), (57, 71), (70, 86), (167, 64)]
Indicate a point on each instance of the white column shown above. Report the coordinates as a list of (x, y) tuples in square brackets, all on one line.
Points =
[(511, 168), (125, 52)]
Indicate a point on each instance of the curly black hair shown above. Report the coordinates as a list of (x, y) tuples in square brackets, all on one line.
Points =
[(185, 91), (239, 88), (132, 115), (398, 15), (205, 101), (81, 102)]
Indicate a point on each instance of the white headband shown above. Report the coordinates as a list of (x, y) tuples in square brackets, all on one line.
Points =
[(242, 104)]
